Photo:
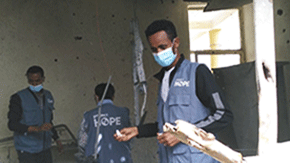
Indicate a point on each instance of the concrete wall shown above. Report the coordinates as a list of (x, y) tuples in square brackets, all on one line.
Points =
[(282, 29), (282, 36), (248, 22), (79, 44)]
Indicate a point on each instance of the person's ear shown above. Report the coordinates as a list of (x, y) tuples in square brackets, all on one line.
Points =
[(176, 43), (97, 98)]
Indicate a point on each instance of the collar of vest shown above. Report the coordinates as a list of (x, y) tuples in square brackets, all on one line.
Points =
[(160, 74), (106, 101)]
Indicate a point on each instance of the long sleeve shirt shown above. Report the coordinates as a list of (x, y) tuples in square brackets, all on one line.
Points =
[(208, 92)]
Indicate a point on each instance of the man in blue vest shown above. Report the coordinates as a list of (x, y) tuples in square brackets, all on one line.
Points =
[(187, 91), (30, 117), (112, 118)]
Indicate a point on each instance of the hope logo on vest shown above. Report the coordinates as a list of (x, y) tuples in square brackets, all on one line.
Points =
[(181, 83), (49, 100), (106, 120)]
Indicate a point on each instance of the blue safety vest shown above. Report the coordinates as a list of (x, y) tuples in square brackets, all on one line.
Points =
[(112, 118), (182, 103), (33, 115)]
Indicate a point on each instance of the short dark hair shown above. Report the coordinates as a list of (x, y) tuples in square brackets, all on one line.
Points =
[(162, 25), (34, 70), (100, 88)]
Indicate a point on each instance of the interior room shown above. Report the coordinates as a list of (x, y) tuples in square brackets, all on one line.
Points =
[(80, 44)]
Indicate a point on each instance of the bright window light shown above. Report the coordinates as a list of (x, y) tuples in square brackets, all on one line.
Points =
[(215, 30), (201, 23)]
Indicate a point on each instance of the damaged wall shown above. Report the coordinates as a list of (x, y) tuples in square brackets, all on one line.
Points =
[(282, 43), (282, 35), (248, 22), (79, 44), (282, 29)]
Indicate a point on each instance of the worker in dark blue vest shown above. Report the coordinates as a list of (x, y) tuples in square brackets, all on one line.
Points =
[(112, 118), (30, 117), (187, 91)]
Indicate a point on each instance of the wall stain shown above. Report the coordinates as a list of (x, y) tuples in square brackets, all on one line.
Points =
[(78, 37), (126, 75), (280, 12)]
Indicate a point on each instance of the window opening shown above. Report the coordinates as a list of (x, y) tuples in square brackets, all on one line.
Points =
[(215, 37)]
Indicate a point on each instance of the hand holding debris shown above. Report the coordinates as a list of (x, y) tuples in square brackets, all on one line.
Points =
[(127, 134), (167, 139), (118, 133), (203, 141)]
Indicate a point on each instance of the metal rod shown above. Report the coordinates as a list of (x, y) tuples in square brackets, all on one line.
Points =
[(99, 117)]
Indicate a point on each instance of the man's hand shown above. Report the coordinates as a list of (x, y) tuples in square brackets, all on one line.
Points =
[(127, 134), (167, 139), (43, 127), (46, 127), (59, 146)]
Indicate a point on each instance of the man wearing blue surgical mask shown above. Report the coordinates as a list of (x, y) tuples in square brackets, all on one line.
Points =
[(30, 118), (187, 91)]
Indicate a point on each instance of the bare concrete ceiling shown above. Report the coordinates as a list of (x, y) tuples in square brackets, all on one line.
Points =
[(222, 4)]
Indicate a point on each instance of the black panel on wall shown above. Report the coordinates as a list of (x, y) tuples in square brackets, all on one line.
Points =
[(239, 87), (283, 110)]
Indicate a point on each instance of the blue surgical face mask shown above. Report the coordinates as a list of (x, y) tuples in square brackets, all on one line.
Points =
[(165, 58), (35, 88)]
